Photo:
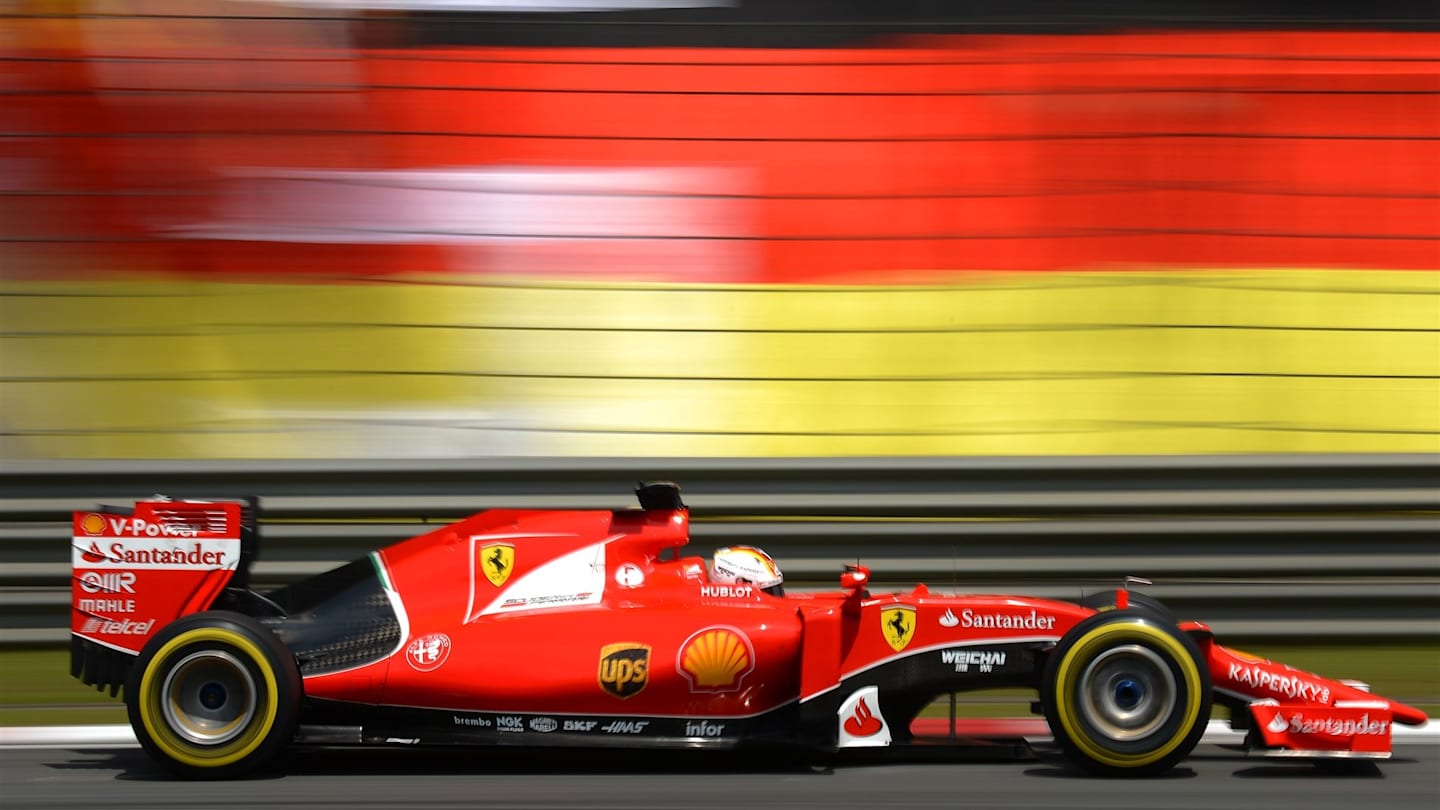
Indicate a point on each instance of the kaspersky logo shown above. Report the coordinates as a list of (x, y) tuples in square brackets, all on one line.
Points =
[(1293, 686)]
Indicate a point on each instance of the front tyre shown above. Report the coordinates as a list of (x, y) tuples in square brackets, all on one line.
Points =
[(214, 695), (1125, 694), (1139, 602)]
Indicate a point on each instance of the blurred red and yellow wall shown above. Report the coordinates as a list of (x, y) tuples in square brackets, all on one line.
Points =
[(255, 237)]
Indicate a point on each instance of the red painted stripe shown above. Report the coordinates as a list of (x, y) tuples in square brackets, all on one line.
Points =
[(1248, 149)]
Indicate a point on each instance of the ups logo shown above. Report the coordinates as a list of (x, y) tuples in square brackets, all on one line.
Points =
[(624, 669)]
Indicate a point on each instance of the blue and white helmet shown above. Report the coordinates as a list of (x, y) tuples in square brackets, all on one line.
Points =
[(747, 565)]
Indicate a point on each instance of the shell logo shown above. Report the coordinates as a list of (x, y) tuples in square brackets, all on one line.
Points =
[(716, 659), (92, 524)]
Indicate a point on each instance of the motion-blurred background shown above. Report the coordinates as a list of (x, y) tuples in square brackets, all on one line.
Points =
[(452, 228), (1150, 285)]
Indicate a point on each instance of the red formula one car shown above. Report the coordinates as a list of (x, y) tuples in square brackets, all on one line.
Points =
[(589, 628)]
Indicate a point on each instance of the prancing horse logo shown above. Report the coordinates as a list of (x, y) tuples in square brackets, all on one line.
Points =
[(498, 560), (897, 622)]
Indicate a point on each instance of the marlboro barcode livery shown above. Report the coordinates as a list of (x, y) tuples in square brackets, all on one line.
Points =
[(592, 628)]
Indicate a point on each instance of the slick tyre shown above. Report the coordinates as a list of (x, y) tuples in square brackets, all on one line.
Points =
[(214, 695), (1125, 694), (1139, 602)]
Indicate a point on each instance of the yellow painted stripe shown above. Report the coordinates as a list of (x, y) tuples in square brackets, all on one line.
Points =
[(1045, 363)]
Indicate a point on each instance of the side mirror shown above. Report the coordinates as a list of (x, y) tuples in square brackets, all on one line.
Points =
[(855, 578)]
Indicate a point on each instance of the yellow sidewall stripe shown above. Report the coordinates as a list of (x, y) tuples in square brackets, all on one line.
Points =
[(182, 751), (1069, 671)]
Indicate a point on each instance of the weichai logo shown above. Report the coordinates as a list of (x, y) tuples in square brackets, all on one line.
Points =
[(624, 669)]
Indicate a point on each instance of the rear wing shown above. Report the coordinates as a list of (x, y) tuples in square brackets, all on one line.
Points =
[(135, 570)]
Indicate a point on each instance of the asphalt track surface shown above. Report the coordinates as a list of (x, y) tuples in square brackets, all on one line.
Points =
[(1213, 777)]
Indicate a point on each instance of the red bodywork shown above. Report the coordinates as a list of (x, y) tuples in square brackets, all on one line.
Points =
[(133, 572), (596, 614), (1301, 711)]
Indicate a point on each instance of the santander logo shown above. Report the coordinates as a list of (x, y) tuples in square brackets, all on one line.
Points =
[(93, 554), (862, 723), (861, 720)]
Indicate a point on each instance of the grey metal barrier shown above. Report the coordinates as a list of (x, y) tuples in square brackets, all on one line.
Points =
[(1328, 547)]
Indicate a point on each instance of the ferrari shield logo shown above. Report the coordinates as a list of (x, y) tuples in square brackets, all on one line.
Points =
[(497, 560), (898, 624)]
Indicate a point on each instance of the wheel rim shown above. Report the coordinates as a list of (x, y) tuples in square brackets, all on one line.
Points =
[(1127, 692), (209, 697)]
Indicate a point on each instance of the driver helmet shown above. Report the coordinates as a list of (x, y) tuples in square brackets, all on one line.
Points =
[(747, 565)]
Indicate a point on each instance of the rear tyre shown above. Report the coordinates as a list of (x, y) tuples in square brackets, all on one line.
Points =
[(1125, 694), (214, 695)]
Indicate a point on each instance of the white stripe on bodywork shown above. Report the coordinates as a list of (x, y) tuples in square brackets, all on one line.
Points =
[(114, 647), (224, 553), (470, 613), (396, 603), (570, 580)]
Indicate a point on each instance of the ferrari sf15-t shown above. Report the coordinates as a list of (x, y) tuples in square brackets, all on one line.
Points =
[(592, 628)]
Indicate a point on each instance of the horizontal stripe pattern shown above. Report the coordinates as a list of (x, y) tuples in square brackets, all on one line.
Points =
[(1003, 364)]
